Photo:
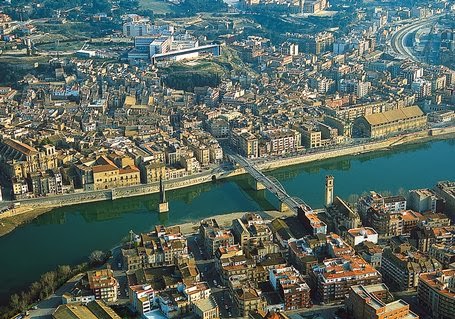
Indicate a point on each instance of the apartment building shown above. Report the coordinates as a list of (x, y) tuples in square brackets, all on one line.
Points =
[(424, 200), (103, 284), (337, 247), (302, 255), (443, 253), (370, 302), (447, 191), (292, 287), (248, 300), (372, 253), (312, 222), (333, 277), (240, 265), (401, 267), (281, 141), (213, 236), (158, 248), (141, 298), (436, 293), (444, 235), (311, 138), (246, 143), (196, 291), (390, 204), (250, 230)]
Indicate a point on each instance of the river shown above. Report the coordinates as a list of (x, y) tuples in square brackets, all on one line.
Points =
[(67, 235)]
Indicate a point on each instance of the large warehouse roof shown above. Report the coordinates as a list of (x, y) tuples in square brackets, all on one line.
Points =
[(393, 115)]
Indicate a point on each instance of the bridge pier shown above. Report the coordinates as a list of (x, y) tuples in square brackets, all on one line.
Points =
[(283, 207), (259, 181), (258, 186)]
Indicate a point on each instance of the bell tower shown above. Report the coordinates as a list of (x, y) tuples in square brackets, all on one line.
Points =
[(328, 190)]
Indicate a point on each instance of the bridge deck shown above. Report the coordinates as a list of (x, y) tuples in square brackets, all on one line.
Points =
[(273, 185)]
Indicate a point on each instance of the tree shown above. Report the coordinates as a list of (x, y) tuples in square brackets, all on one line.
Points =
[(14, 302), (402, 192), (63, 271), (24, 300), (96, 257), (386, 193), (101, 6), (353, 199), (35, 289), (48, 282)]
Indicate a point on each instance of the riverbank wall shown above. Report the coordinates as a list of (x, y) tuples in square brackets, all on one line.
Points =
[(417, 137), (109, 194), (140, 190)]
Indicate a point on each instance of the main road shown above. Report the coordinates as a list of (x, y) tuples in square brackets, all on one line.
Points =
[(398, 39)]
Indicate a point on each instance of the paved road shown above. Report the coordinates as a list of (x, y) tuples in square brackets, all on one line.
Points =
[(47, 307), (206, 266), (399, 38)]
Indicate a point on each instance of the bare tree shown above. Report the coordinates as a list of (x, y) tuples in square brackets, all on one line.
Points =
[(402, 192), (96, 257), (353, 199), (24, 301), (63, 272), (48, 282), (35, 289), (14, 302)]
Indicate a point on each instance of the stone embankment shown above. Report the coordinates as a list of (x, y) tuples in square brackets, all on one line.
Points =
[(138, 190), (109, 194)]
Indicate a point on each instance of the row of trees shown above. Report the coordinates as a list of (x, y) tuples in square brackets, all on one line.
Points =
[(48, 283), (187, 81)]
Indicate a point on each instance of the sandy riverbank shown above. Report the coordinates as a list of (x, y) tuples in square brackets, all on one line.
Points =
[(225, 220), (8, 224)]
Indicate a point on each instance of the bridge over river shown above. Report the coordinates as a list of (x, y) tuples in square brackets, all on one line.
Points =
[(263, 181)]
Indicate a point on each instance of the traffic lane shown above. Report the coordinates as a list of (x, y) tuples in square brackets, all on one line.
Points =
[(210, 274), (196, 247), (225, 303)]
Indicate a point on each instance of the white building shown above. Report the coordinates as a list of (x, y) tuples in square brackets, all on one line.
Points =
[(142, 298), (421, 87), (136, 26), (197, 291), (356, 236), (161, 45)]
